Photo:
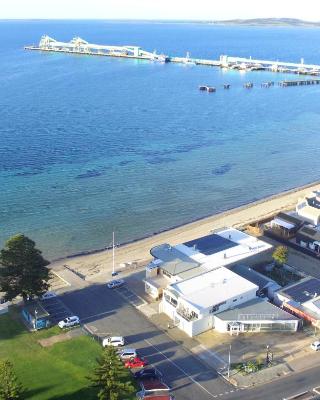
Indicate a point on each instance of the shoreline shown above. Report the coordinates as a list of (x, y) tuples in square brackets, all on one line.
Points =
[(137, 250)]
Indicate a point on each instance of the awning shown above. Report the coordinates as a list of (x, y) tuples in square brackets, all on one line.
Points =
[(284, 224)]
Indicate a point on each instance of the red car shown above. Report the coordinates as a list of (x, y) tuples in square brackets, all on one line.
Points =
[(136, 362)]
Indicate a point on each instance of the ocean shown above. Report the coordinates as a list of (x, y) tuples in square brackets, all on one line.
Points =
[(92, 145)]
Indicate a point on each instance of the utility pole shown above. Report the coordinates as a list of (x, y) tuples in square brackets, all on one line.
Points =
[(229, 361), (114, 273)]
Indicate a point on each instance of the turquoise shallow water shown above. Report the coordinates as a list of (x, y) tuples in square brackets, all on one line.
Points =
[(91, 145)]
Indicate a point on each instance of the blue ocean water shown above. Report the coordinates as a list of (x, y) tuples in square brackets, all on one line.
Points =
[(89, 145)]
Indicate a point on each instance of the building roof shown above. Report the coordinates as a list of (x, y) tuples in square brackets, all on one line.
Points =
[(302, 291), (310, 232), (211, 244), (256, 310), (213, 287), (290, 218), (221, 251), (253, 276), (224, 247), (174, 261)]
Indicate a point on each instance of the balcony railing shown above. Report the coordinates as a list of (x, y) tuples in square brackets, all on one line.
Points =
[(187, 315)]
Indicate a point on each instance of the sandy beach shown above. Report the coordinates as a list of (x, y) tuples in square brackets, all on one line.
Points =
[(138, 252)]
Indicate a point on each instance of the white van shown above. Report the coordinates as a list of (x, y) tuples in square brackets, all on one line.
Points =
[(69, 321), (126, 354), (115, 341)]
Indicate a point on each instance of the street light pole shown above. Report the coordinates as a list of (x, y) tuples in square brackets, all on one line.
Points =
[(229, 361), (36, 319), (268, 358)]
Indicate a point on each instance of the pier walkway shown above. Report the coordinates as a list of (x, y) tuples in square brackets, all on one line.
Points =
[(80, 46)]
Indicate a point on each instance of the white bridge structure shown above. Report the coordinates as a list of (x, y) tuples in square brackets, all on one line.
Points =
[(275, 66), (81, 46)]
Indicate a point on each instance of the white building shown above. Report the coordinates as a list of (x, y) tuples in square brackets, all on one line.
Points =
[(257, 315), (225, 247), (192, 303), (308, 207)]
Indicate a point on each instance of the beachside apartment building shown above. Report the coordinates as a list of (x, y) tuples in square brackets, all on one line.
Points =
[(192, 303), (308, 207), (198, 288), (223, 248)]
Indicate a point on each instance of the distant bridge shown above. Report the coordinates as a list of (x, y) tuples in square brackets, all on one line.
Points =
[(81, 46)]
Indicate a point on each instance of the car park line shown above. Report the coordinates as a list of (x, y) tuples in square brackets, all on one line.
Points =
[(179, 368), (98, 315)]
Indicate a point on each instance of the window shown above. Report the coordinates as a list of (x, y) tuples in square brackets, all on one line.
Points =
[(216, 307), (164, 272), (234, 300)]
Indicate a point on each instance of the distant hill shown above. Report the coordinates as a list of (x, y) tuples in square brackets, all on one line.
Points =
[(269, 22)]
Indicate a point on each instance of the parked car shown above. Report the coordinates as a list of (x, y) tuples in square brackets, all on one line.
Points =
[(69, 321), (48, 295), (148, 373), (115, 283), (136, 362), (153, 388), (315, 345), (126, 354), (115, 341)]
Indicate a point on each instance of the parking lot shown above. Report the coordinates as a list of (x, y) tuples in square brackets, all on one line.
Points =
[(130, 296), (56, 308)]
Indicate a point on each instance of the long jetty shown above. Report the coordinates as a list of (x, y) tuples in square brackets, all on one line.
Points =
[(80, 46)]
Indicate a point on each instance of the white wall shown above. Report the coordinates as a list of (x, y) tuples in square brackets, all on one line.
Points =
[(167, 308)]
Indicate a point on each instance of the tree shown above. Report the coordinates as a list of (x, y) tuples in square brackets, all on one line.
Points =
[(10, 388), (280, 255), (23, 269), (111, 377)]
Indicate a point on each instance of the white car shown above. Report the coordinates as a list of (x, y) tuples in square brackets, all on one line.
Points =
[(48, 295), (115, 341), (69, 321), (315, 345), (116, 283)]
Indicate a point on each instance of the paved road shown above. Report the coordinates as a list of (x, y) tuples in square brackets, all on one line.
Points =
[(284, 387), (106, 312)]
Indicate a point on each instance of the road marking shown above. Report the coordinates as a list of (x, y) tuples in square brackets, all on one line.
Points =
[(180, 369), (215, 355), (98, 315)]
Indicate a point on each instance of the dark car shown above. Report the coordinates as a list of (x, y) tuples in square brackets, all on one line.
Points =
[(148, 373)]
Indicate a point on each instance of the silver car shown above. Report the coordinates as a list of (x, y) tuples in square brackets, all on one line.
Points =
[(116, 283)]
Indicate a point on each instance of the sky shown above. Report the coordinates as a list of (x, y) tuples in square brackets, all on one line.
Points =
[(159, 9)]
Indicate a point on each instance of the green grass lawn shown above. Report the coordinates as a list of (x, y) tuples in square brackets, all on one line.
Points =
[(57, 372)]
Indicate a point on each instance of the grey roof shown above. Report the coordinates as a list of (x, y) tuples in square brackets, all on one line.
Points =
[(309, 232), (302, 291), (256, 310), (191, 273), (295, 220), (253, 276), (174, 261)]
